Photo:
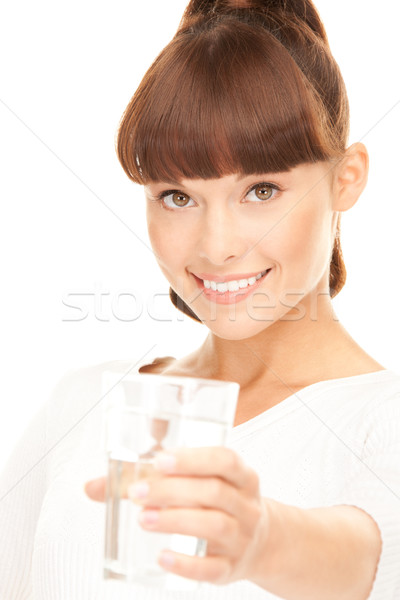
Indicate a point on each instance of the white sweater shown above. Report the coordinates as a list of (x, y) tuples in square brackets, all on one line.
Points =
[(334, 442)]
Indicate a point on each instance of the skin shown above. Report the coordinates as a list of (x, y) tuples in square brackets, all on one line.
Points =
[(260, 342), (295, 553)]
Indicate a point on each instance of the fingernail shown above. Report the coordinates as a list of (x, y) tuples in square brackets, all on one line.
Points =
[(138, 490), (165, 462), (166, 559), (149, 517)]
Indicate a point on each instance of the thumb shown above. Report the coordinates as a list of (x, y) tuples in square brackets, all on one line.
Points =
[(96, 489)]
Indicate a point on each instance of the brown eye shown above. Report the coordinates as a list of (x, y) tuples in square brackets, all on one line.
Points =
[(263, 191), (180, 199), (174, 199)]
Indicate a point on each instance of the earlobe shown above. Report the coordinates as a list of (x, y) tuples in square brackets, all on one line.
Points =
[(351, 177)]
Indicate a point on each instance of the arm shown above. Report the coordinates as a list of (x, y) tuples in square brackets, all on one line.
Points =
[(298, 554), (320, 553), (22, 487), (314, 554)]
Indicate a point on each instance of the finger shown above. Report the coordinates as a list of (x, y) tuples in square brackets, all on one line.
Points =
[(215, 569), (96, 489), (209, 461), (219, 529), (119, 478), (174, 491)]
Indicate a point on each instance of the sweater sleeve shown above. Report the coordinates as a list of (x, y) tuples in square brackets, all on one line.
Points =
[(375, 488), (27, 476), (23, 485), (22, 488)]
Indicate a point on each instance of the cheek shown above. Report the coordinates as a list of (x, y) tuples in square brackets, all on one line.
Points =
[(169, 247), (300, 243), (161, 236), (157, 239)]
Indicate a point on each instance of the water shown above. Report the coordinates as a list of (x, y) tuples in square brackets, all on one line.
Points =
[(131, 552)]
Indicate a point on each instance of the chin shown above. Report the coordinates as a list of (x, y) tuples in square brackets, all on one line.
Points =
[(235, 330)]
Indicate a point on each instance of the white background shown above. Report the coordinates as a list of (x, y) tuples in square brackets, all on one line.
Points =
[(72, 223)]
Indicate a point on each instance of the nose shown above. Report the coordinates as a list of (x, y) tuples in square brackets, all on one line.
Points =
[(221, 239)]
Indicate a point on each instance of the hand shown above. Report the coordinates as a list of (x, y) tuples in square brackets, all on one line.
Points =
[(208, 493)]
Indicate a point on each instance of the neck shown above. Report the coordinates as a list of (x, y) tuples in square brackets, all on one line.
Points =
[(293, 351)]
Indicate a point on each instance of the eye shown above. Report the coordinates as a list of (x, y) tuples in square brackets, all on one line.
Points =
[(172, 199), (262, 191)]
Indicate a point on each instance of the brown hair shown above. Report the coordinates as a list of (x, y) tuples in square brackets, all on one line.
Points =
[(244, 87)]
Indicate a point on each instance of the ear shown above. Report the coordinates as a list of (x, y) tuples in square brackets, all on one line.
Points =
[(350, 178)]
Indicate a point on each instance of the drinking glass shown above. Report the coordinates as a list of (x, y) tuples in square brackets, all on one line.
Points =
[(146, 414)]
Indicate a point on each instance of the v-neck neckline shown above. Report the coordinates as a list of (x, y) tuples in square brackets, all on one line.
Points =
[(297, 399)]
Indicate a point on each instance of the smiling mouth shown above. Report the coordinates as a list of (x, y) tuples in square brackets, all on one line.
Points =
[(230, 291), (232, 285)]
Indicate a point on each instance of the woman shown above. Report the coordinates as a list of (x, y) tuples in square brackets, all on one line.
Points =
[(238, 133)]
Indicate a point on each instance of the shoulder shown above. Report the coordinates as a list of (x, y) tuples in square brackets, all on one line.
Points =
[(356, 407), (79, 383), (380, 391), (86, 377), (376, 414), (365, 390), (92, 373), (383, 416), (81, 389)]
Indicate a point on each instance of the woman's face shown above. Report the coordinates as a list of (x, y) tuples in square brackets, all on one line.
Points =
[(214, 238)]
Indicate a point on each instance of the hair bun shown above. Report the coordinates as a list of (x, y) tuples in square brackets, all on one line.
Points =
[(303, 10)]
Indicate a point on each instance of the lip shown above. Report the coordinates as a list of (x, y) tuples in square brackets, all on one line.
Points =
[(226, 278), (229, 297)]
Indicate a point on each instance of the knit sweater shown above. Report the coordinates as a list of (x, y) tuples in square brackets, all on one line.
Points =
[(333, 442)]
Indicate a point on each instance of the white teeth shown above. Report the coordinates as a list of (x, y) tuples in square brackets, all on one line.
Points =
[(222, 287), (232, 285)]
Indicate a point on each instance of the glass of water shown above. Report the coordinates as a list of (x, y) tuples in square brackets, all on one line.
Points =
[(146, 414)]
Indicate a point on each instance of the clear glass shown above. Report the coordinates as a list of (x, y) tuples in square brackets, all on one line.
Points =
[(146, 414)]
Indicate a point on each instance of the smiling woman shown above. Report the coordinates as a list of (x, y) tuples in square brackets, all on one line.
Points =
[(228, 236), (238, 133)]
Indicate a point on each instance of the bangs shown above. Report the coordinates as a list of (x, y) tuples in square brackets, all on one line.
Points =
[(228, 100)]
